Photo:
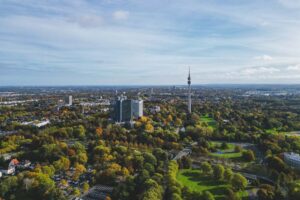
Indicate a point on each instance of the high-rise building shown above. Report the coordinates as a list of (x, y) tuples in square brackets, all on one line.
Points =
[(189, 93), (70, 100), (137, 108), (126, 110)]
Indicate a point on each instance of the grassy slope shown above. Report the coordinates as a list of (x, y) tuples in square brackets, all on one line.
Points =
[(196, 181), (210, 121), (228, 153)]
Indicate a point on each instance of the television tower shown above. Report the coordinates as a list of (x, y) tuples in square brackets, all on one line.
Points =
[(189, 93)]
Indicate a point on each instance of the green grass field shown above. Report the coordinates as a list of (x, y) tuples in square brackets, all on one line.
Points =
[(278, 132), (196, 181), (226, 153), (230, 146), (272, 131), (210, 121)]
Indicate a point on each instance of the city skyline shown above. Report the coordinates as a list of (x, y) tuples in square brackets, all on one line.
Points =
[(149, 43)]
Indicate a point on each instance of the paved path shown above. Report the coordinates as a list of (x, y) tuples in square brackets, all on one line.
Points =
[(184, 152)]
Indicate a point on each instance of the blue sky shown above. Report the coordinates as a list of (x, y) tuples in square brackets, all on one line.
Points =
[(115, 42)]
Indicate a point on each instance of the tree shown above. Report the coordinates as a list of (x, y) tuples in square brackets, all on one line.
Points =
[(85, 187), (294, 190), (239, 182), (176, 196), (275, 163), (49, 170), (7, 185), (99, 131), (206, 168), (173, 187), (186, 162), (228, 174), (231, 195), (62, 164), (224, 145), (79, 168), (79, 132), (37, 185), (82, 158), (237, 148), (149, 128), (76, 192), (218, 172), (152, 191), (266, 192), (178, 122), (248, 155), (208, 196), (149, 158)]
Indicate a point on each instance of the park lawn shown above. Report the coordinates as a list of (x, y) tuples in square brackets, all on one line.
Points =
[(278, 132), (210, 121), (217, 144), (196, 181), (272, 131), (228, 155)]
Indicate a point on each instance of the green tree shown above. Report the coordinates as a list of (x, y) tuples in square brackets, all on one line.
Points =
[(276, 163), (231, 195), (228, 174), (85, 187), (248, 155), (237, 148), (294, 190), (208, 196), (76, 192), (206, 168), (152, 190), (239, 182), (79, 132), (218, 172), (62, 164), (266, 192)]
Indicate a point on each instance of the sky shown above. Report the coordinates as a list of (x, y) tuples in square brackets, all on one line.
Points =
[(149, 42)]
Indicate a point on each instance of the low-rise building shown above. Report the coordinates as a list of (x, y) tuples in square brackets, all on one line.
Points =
[(24, 164), (292, 159), (38, 124), (8, 171), (155, 109)]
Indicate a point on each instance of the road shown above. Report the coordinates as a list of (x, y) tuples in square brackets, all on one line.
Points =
[(185, 152), (4, 133)]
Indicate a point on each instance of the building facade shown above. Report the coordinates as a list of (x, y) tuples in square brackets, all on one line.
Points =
[(126, 110), (70, 100), (137, 108)]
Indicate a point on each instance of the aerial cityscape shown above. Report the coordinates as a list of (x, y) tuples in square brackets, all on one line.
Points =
[(149, 100)]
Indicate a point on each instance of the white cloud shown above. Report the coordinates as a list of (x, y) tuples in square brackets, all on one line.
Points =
[(263, 74), (76, 35), (294, 67), (264, 58), (258, 71), (89, 21), (121, 15)]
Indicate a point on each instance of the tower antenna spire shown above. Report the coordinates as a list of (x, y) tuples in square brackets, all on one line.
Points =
[(189, 92)]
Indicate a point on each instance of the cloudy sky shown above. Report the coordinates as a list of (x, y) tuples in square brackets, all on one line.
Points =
[(114, 42)]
